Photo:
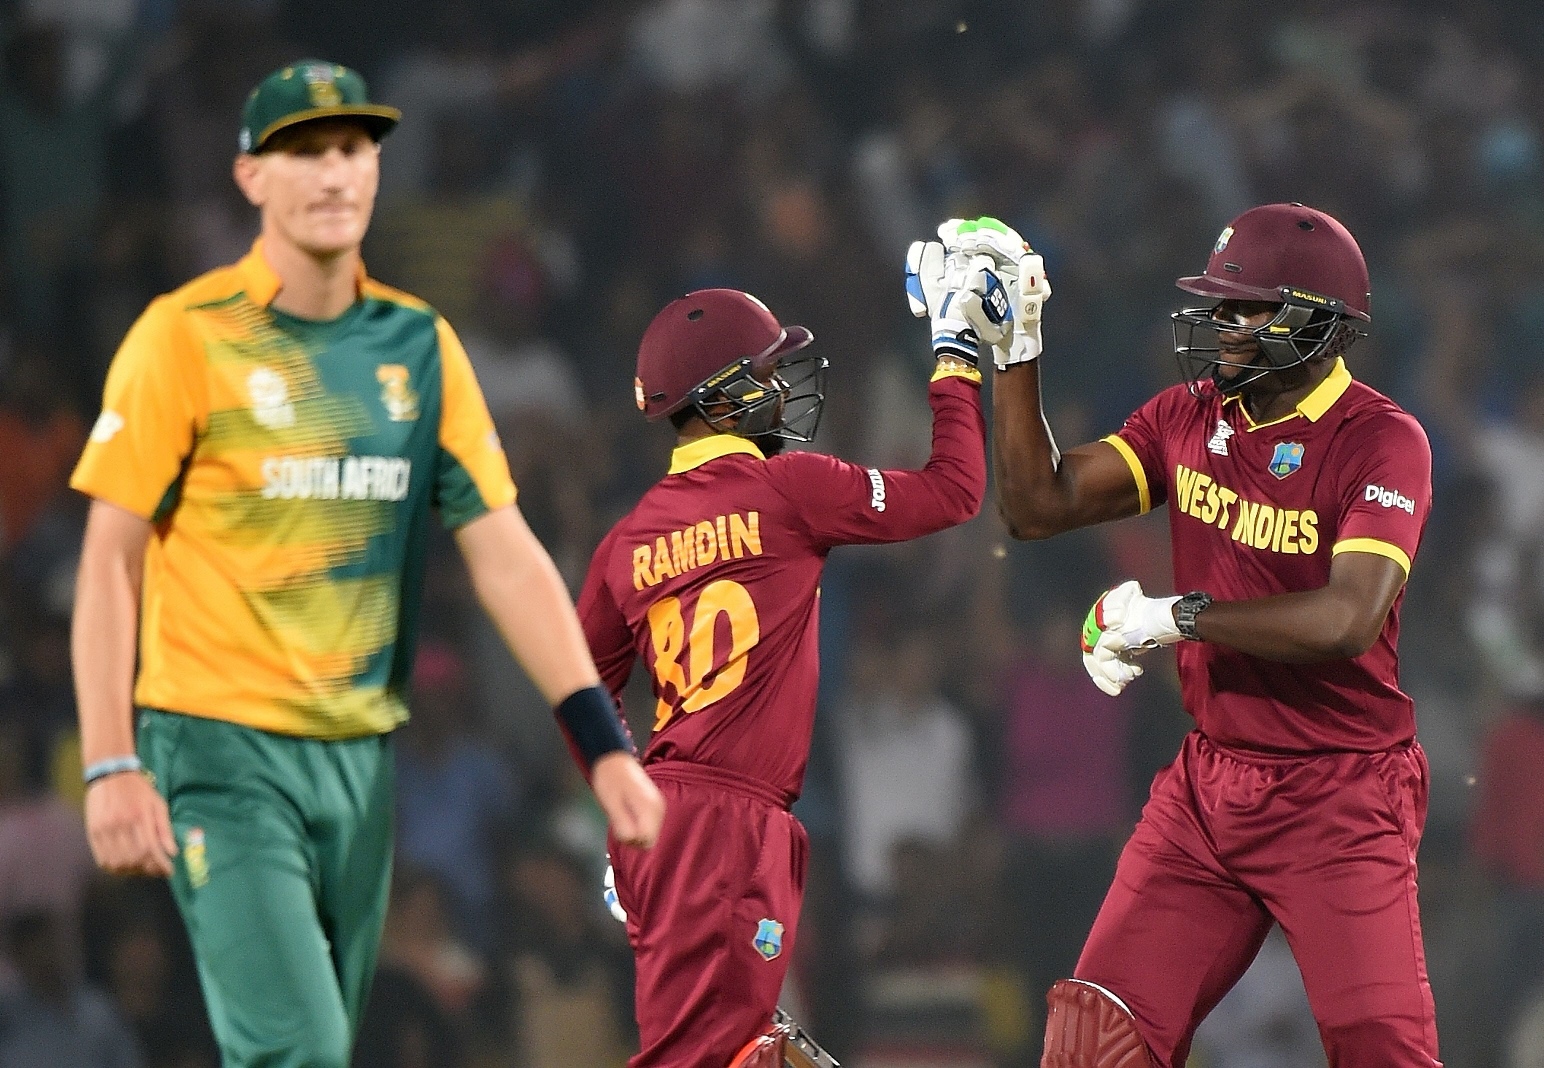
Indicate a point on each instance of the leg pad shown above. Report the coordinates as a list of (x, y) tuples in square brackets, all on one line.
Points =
[(1089, 1027)]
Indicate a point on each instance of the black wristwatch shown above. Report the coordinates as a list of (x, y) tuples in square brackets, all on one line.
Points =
[(1185, 611)]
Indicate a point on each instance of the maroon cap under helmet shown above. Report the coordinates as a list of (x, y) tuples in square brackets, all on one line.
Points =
[(696, 336), (1290, 246)]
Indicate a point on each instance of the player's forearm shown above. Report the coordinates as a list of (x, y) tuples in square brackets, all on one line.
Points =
[(955, 471), (1292, 628), (944, 492), (1034, 495), (524, 595), (104, 630)]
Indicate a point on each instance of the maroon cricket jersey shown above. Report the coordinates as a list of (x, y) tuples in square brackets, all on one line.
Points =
[(1261, 509), (714, 579)]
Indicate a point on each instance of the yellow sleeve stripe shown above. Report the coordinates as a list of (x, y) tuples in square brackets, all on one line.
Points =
[(466, 429), (1376, 547), (1144, 496), (956, 370)]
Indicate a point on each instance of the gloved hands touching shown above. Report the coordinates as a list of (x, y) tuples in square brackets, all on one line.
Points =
[(1016, 268), (1122, 624), (935, 286)]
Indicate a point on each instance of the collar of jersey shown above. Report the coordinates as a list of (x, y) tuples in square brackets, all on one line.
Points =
[(262, 283), (696, 453), (1312, 407)]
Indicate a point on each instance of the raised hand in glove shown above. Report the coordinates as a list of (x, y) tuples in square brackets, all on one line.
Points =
[(1122, 624), (1021, 271), (935, 284)]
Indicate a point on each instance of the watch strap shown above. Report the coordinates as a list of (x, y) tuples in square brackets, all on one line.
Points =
[(1185, 611)]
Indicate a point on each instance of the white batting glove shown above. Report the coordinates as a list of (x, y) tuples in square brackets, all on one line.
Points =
[(1111, 671), (934, 282), (1122, 624), (1030, 293), (613, 903), (1022, 271)]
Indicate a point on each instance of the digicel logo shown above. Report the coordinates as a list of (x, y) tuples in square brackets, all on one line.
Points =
[(1389, 498)]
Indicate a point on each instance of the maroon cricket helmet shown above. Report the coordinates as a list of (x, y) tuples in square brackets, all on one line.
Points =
[(1282, 252), (1293, 256), (723, 350)]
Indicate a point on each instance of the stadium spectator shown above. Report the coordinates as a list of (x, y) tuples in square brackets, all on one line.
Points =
[(455, 793), (52, 1018)]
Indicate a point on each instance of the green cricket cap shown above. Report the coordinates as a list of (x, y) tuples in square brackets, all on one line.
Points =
[(305, 90)]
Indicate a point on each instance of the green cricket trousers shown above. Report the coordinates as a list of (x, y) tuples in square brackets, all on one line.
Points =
[(282, 879)]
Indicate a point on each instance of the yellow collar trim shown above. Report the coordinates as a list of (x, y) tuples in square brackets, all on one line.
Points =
[(262, 282), (1326, 393), (696, 453), (1314, 406)]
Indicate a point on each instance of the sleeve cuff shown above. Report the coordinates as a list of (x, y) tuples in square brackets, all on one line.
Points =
[(952, 369), (1377, 548), (1144, 495)]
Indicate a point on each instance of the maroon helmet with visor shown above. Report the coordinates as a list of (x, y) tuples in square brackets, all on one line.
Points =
[(1285, 254), (724, 355)]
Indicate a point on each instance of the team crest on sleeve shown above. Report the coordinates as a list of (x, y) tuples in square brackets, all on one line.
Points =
[(397, 396), (1287, 458), (769, 939)]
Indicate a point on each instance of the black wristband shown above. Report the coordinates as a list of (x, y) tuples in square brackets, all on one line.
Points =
[(592, 723)]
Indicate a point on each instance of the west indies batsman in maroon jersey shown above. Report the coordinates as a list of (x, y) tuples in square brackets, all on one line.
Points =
[(713, 580), (1297, 498)]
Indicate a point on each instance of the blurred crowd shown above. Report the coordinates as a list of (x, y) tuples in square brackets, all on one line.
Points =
[(564, 168)]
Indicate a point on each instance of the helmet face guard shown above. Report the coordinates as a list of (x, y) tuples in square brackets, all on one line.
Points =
[(786, 406), (1306, 326)]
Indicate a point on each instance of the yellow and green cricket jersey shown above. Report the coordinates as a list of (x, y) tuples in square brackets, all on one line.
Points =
[(289, 468)]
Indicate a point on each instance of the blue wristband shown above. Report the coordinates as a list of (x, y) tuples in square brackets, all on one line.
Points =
[(112, 766), (591, 721)]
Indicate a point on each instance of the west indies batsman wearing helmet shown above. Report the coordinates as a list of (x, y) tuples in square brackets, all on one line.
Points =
[(1297, 497), (713, 580)]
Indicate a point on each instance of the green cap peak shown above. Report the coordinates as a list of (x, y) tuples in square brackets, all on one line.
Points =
[(305, 90)]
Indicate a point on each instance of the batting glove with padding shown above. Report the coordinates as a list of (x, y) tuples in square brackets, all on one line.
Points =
[(1023, 273), (935, 284), (1122, 624)]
